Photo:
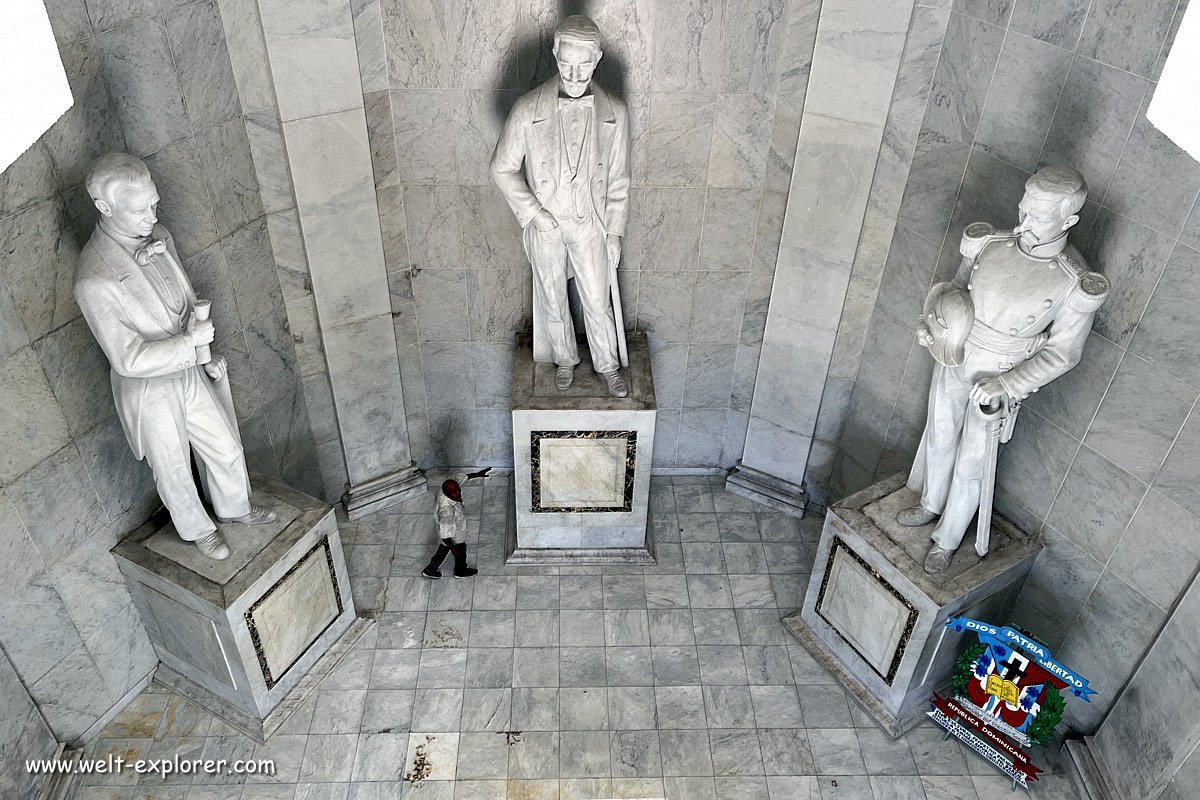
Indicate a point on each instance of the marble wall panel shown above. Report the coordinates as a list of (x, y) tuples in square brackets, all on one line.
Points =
[(441, 297), (907, 275), (795, 62), (288, 423), (229, 171), (37, 255), (248, 396), (270, 347), (90, 127), (330, 160), (1062, 579), (142, 79), (688, 45), (1032, 466), (368, 38), (248, 55), (969, 57), (434, 216), (741, 141), (1095, 115), (311, 43), (287, 245), (483, 41), (1127, 35), (71, 696), (717, 307), (730, 224), (669, 364), (701, 437), (491, 234), (78, 374), (186, 208), (1158, 554), (121, 481), (1168, 331), (1131, 433), (1025, 92), (69, 20), (709, 377), (1071, 400), (933, 183), (499, 303), (58, 505), (417, 40), (108, 14), (1052, 21), (885, 357), (19, 558), (31, 423), (425, 134), (1176, 479), (1156, 182), (202, 62), (479, 118), (1095, 504), (209, 275), (368, 397), (681, 138), (996, 12), (27, 181), (662, 234), (628, 30), (665, 305), (991, 190), (264, 135), (251, 267), (751, 44), (491, 375)]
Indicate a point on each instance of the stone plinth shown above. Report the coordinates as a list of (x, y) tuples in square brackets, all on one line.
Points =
[(581, 462), (247, 638), (876, 620)]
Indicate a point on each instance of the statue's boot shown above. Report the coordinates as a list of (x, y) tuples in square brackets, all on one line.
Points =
[(616, 384), (563, 376), (916, 516), (938, 560), (259, 515), (213, 546)]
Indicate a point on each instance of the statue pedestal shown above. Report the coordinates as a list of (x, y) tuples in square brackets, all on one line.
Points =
[(876, 620), (250, 637), (581, 463)]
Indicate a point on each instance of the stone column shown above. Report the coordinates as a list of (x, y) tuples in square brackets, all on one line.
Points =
[(1152, 729), (315, 71), (854, 67)]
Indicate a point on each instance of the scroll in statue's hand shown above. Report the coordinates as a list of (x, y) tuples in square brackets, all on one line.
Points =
[(217, 368), (614, 250), (987, 390), (544, 221)]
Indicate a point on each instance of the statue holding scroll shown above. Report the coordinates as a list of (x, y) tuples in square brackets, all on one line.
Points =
[(562, 163), (1015, 318), (172, 396)]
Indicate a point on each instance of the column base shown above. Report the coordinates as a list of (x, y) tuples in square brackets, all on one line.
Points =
[(387, 490), (768, 490), (1088, 774)]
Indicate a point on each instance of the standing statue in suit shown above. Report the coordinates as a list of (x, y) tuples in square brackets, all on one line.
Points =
[(572, 199), (1015, 318), (172, 396)]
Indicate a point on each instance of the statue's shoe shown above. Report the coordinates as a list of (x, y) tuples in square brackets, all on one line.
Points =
[(213, 546), (563, 377), (258, 516), (938, 560), (916, 516), (616, 384)]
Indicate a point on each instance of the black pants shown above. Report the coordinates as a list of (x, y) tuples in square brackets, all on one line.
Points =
[(446, 547)]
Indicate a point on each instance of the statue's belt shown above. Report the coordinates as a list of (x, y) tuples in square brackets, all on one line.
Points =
[(1003, 344)]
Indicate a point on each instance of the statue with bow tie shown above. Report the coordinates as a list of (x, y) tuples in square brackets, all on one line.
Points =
[(172, 396), (562, 163)]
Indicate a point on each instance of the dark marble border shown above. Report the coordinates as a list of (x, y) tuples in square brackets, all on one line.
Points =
[(535, 469), (253, 629), (836, 545)]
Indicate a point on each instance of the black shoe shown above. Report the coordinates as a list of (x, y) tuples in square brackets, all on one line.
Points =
[(466, 572), (431, 573)]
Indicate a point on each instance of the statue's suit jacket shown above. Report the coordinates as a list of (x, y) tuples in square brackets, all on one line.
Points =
[(140, 338), (531, 135)]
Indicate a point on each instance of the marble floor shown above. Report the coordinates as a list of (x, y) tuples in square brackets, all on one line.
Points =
[(674, 681)]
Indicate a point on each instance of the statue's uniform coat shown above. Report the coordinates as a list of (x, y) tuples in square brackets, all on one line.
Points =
[(164, 400), (1032, 318)]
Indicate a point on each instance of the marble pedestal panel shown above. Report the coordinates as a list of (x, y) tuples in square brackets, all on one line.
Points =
[(250, 637), (581, 463), (876, 620)]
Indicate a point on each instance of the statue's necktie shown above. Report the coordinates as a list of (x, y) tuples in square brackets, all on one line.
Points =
[(143, 254)]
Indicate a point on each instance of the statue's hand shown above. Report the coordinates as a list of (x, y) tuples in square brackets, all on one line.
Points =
[(201, 331), (987, 391), (544, 221), (217, 369), (924, 337), (614, 250)]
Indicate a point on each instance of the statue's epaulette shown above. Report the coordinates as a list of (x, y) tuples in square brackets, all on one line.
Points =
[(979, 235), (1091, 287)]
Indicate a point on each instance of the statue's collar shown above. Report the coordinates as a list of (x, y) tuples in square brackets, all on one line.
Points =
[(1048, 249)]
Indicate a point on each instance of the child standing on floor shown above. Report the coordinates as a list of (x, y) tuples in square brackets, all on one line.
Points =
[(452, 527)]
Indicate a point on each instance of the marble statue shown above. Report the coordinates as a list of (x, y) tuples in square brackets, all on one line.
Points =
[(451, 519), (172, 396), (572, 199), (1015, 318)]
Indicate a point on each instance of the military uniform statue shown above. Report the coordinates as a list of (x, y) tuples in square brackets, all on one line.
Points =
[(1015, 318)]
